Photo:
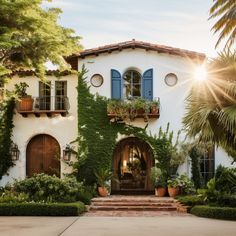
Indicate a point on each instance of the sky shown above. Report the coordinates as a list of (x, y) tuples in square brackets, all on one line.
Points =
[(177, 23)]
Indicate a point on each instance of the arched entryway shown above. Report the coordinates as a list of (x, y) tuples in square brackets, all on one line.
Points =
[(43, 155), (132, 163)]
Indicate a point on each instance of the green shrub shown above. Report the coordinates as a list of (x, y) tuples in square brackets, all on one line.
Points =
[(224, 183), (186, 184), (195, 155), (41, 209), (13, 197), (211, 194), (47, 188), (226, 213), (225, 179), (86, 194), (191, 200), (227, 200)]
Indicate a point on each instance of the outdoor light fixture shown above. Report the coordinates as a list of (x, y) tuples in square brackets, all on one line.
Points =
[(67, 153), (14, 151)]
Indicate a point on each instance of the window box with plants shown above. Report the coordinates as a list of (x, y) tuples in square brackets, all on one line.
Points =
[(131, 109), (25, 101)]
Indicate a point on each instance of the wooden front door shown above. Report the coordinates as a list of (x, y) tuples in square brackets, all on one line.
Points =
[(43, 156)]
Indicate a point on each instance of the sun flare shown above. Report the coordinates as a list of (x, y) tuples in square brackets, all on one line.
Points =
[(200, 73)]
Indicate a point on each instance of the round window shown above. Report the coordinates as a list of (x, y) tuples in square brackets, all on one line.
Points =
[(96, 80), (171, 79)]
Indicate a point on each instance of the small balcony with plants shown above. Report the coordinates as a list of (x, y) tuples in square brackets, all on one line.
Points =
[(120, 110), (49, 105)]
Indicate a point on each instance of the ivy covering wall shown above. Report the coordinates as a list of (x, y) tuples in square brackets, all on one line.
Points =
[(98, 136), (6, 127)]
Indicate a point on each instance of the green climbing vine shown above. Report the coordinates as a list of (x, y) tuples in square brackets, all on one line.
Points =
[(6, 127), (98, 136)]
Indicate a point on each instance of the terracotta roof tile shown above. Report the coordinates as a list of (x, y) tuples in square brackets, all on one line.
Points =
[(48, 72), (139, 44)]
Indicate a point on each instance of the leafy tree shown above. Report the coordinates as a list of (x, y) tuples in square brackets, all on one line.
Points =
[(211, 106), (226, 24), (30, 36)]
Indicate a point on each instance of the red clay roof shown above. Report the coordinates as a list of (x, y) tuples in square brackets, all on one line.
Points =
[(139, 44), (48, 72)]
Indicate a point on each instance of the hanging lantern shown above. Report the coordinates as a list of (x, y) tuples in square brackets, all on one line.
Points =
[(67, 153), (14, 152)]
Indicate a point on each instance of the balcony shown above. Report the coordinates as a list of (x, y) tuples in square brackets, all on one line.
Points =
[(120, 110), (43, 105)]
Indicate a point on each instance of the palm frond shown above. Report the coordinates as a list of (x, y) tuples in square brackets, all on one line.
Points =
[(226, 25)]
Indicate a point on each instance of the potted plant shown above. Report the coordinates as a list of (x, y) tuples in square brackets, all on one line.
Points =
[(154, 107), (173, 186), (158, 181), (25, 102), (103, 176)]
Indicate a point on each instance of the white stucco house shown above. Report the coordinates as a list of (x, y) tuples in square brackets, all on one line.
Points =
[(131, 69)]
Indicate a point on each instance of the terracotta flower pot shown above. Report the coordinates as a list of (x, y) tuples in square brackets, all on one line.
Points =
[(160, 191), (103, 192), (154, 110), (25, 104), (173, 191)]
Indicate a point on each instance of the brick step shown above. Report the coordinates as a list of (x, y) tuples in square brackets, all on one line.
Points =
[(132, 208), (163, 204), (133, 213), (127, 200)]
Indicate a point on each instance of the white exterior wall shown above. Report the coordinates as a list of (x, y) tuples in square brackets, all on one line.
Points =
[(172, 99), (63, 129)]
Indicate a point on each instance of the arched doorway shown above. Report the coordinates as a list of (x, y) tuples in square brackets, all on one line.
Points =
[(43, 155), (132, 162)]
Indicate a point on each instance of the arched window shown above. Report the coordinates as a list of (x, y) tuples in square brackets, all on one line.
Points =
[(132, 84)]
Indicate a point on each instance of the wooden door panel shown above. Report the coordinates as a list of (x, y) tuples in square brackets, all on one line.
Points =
[(42, 156)]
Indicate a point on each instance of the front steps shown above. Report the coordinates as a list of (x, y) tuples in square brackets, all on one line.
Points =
[(116, 205)]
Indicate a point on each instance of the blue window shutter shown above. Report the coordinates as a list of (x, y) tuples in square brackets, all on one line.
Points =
[(115, 84), (147, 85)]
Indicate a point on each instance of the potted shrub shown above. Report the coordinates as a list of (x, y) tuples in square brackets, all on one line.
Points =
[(25, 102), (158, 181), (154, 107), (173, 186), (103, 176)]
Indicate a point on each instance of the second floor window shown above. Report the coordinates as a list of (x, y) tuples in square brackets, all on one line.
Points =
[(44, 96), (60, 95), (46, 101), (132, 84)]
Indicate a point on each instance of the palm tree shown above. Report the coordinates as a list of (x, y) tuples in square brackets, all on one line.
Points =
[(226, 25), (211, 106)]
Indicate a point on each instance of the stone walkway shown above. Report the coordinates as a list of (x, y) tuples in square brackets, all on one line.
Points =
[(115, 226)]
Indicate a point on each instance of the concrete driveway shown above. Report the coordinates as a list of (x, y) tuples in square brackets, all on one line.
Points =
[(114, 226)]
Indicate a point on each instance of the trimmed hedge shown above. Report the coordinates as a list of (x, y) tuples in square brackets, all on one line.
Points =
[(224, 213), (41, 209), (191, 200)]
